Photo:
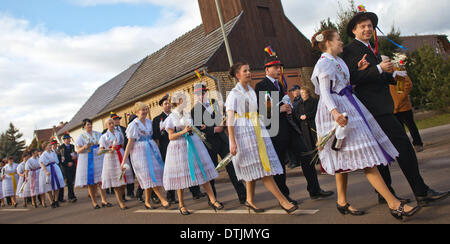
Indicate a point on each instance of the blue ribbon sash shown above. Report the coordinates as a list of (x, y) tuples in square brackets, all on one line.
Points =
[(348, 92), (149, 149), (90, 168), (55, 181), (192, 151)]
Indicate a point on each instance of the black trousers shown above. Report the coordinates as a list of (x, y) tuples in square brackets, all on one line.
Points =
[(407, 118), (407, 159), (295, 145), (69, 175), (223, 150)]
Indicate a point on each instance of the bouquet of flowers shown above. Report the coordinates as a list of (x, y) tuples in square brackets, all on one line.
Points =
[(400, 71), (323, 140), (23, 186), (225, 161), (126, 167)]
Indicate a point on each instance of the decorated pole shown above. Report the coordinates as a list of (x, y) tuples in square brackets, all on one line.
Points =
[(225, 39)]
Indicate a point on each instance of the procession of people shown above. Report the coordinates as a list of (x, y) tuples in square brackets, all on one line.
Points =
[(180, 149)]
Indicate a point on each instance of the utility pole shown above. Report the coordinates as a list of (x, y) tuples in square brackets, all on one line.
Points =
[(225, 39)]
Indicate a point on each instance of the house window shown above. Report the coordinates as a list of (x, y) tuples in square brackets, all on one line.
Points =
[(267, 21)]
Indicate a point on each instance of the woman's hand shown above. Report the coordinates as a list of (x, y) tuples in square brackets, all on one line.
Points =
[(339, 118), (233, 148), (47, 173), (187, 129), (363, 64)]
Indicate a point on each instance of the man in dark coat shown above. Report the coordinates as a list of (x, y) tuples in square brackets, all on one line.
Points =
[(289, 136), (215, 135), (372, 88), (162, 137), (68, 157)]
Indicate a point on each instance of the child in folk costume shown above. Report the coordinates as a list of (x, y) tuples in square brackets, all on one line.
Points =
[(254, 155), (2, 201), (23, 187), (145, 156), (365, 145), (10, 180), (187, 161), (51, 178), (90, 164), (111, 143), (33, 168)]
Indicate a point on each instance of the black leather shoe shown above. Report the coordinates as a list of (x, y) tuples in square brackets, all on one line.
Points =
[(344, 210), (321, 194), (400, 212), (381, 199), (432, 196)]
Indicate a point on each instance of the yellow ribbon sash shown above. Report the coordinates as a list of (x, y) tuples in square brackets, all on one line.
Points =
[(254, 118), (13, 176)]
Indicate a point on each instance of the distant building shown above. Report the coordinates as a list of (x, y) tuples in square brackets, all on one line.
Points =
[(250, 26), (438, 42), (44, 135)]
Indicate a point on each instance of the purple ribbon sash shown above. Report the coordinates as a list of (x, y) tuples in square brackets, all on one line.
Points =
[(348, 92), (55, 181)]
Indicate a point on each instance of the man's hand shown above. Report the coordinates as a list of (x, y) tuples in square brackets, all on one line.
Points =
[(387, 66), (218, 129), (303, 117), (286, 108), (70, 164), (203, 127)]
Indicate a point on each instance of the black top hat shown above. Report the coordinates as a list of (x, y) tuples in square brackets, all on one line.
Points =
[(115, 116), (272, 61), (200, 89), (354, 21), (166, 97)]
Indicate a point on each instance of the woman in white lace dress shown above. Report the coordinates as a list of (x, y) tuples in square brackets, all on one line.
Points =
[(254, 155), (187, 161), (365, 145), (10, 180), (90, 164), (111, 143), (23, 180), (51, 178), (145, 156), (33, 169)]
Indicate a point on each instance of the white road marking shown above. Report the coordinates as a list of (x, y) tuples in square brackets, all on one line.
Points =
[(267, 212), (14, 210)]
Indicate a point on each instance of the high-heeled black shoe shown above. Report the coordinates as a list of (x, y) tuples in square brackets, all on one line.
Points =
[(96, 207), (400, 212), (124, 208), (167, 206), (256, 210), (291, 210), (108, 205), (184, 213), (344, 210), (149, 207), (213, 205)]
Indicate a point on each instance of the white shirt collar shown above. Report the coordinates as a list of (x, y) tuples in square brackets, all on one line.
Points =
[(271, 79), (365, 43)]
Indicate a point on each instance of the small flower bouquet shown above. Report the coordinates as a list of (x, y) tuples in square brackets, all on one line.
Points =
[(225, 161)]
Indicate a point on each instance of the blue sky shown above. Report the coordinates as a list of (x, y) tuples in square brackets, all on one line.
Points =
[(71, 18)]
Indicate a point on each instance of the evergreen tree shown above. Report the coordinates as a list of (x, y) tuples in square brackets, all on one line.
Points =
[(11, 143), (345, 14), (386, 47), (430, 73)]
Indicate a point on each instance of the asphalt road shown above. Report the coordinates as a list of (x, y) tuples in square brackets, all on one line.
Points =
[(434, 164)]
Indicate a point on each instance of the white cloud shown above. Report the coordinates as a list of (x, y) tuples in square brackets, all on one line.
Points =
[(46, 77)]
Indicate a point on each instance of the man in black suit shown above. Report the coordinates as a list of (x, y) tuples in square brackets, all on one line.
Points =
[(68, 167), (162, 137), (289, 136), (208, 118), (372, 88), (122, 130)]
